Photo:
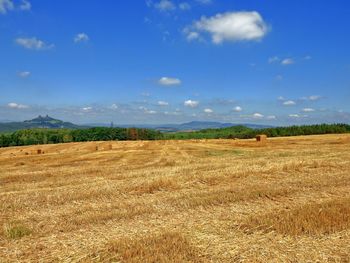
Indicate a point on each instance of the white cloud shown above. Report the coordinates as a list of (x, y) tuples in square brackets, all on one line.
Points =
[(208, 111), (114, 106), (174, 113), (33, 43), (6, 5), (149, 3), (281, 98), (150, 111), (25, 5), (258, 115), (205, 2), (287, 61), (87, 109), (166, 35), (184, 6), (284, 62), (165, 5), (279, 77), (312, 98), (308, 57), (315, 97), (81, 37), (273, 59), (24, 74), (147, 111), (308, 110), (289, 103), (271, 117), (191, 103), (163, 103), (166, 81), (14, 105), (231, 26), (192, 36), (294, 115), (237, 109)]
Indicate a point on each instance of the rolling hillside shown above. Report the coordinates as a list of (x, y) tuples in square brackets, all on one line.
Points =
[(39, 122), (177, 201)]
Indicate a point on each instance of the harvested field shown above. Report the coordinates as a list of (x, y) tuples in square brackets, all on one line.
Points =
[(287, 200)]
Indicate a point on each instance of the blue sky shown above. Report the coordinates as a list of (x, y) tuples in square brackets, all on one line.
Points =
[(162, 61)]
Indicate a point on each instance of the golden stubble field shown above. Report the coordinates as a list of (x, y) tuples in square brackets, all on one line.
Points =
[(177, 201)]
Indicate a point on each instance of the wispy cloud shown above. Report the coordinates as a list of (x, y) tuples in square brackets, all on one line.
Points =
[(134, 113), (162, 103), (258, 115), (81, 37), (5, 6), (287, 61), (23, 74), (87, 109), (151, 112), (282, 61), (222, 102), (315, 97), (167, 81), (191, 103), (308, 110), (184, 6), (9, 5), (237, 109), (165, 5), (25, 5), (145, 94), (230, 26), (312, 98), (289, 103), (273, 59), (192, 35), (33, 43), (205, 2), (114, 106), (14, 105), (279, 77)]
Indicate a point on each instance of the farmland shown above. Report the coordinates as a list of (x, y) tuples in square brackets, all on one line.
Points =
[(177, 201)]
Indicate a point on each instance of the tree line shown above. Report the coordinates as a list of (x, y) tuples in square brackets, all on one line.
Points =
[(242, 132), (52, 136)]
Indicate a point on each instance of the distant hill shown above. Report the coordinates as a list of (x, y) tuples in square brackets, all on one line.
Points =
[(45, 122), (188, 126), (200, 125), (48, 122)]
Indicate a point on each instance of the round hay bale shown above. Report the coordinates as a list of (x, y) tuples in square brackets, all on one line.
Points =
[(107, 147), (261, 138), (94, 148), (37, 151)]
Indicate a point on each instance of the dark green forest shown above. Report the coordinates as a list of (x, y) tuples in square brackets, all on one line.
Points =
[(242, 132), (51, 136)]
